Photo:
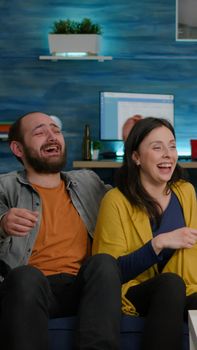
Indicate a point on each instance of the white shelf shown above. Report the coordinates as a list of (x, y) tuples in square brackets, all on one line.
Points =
[(63, 58)]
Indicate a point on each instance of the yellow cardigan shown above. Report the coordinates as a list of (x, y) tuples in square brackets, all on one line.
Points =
[(122, 228)]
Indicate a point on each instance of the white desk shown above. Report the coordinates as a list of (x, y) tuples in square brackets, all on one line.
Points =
[(192, 321)]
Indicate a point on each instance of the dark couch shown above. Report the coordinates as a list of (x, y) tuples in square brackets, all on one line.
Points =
[(61, 333)]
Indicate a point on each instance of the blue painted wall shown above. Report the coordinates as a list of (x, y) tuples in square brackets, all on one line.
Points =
[(146, 58)]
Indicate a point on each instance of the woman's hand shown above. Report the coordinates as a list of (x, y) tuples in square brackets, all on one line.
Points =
[(184, 237), (18, 221)]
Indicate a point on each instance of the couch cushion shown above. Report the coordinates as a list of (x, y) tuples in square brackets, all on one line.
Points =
[(61, 333)]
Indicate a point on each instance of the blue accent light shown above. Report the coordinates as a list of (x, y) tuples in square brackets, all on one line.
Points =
[(120, 152), (118, 148), (71, 54)]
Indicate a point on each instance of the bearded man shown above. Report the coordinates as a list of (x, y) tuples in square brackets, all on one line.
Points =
[(47, 220)]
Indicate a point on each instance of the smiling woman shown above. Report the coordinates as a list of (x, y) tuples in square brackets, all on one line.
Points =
[(149, 223)]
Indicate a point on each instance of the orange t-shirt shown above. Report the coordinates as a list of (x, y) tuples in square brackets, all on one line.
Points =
[(62, 242)]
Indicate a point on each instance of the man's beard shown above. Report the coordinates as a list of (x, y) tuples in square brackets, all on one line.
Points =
[(43, 165)]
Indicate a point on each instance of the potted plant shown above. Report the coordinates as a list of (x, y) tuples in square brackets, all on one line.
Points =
[(69, 36), (96, 146)]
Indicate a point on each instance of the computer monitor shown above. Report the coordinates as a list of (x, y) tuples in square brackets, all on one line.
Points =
[(117, 107)]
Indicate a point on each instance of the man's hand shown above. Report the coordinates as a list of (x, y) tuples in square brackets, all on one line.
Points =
[(18, 221)]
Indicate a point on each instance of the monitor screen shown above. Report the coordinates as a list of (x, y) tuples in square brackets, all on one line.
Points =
[(117, 107)]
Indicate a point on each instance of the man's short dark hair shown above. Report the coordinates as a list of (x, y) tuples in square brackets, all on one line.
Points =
[(15, 133)]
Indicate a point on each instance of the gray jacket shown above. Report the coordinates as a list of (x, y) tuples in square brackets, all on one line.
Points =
[(86, 191)]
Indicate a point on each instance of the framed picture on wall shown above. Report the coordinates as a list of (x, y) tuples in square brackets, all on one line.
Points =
[(186, 20)]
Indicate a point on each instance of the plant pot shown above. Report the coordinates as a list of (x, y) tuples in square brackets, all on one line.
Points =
[(64, 43)]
